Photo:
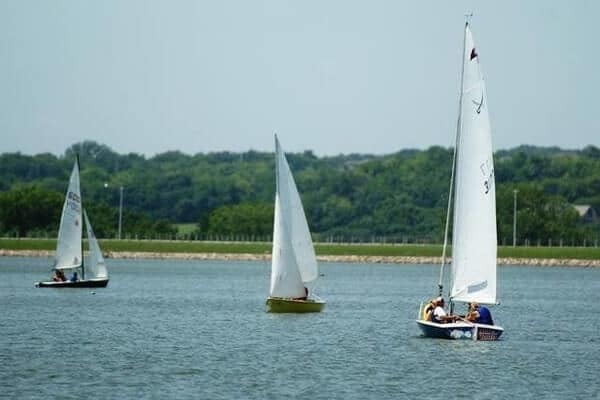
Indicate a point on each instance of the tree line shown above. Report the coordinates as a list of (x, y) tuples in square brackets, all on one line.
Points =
[(356, 196)]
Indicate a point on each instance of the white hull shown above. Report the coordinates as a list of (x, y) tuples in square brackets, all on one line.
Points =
[(460, 330)]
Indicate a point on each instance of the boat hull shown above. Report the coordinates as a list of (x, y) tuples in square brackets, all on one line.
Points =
[(460, 330), (92, 283), (281, 305)]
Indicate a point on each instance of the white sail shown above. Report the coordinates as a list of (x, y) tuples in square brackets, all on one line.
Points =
[(68, 248), (294, 261), (474, 243), (95, 267), (285, 275)]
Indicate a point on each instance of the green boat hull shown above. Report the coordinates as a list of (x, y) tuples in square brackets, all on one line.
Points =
[(280, 305)]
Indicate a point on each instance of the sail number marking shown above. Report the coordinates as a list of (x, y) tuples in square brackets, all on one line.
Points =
[(74, 201), (487, 171), (74, 197)]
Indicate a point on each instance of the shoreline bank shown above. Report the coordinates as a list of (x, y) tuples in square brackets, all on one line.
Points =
[(539, 262)]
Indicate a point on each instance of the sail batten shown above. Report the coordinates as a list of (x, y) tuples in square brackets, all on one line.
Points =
[(474, 244)]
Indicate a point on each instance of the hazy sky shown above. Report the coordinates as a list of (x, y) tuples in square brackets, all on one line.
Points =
[(331, 76)]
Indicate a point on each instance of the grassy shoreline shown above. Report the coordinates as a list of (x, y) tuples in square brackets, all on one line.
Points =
[(396, 253)]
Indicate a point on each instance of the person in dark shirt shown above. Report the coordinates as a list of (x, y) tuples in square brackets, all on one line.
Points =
[(480, 314), (59, 276), (74, 277)]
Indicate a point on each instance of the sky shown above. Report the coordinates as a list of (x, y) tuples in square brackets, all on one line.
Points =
[(331, 76)]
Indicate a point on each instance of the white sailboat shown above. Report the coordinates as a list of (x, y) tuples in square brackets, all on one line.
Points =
[(69, 247), (474, 244), (293, 259)]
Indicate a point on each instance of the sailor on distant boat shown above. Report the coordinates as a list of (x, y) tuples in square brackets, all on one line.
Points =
[(74, 277), (59, 276)]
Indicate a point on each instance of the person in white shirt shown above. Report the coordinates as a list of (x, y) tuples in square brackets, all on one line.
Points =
[(439, 314)]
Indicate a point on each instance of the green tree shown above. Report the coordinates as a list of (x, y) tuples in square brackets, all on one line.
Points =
[(242, 219), (28, 208)]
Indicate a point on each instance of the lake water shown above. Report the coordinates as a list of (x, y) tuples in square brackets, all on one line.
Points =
[(191, 329)]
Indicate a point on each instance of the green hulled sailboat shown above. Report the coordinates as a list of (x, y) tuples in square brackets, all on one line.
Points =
[(294, 263)]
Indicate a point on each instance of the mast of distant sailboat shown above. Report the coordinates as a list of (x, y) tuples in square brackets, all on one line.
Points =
[(81, 236)]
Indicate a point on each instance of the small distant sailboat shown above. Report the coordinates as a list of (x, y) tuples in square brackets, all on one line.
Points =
[(69, 248), (293, 260), (474, 244)]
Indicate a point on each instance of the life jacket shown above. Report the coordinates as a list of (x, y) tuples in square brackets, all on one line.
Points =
[(428, 312)]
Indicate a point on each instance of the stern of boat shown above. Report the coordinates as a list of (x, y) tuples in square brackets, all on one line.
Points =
[(488, 332)]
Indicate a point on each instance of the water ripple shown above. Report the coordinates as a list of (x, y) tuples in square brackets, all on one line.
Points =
[(177, 329)]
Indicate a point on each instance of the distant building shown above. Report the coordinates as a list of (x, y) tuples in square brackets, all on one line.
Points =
[(586, 212)]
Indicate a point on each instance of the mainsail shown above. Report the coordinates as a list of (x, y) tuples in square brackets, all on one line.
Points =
[(293, 259), (68, 248), (95, 268), (474, 243)]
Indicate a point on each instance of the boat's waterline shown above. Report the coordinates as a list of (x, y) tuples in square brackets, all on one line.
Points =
[(281, 305)]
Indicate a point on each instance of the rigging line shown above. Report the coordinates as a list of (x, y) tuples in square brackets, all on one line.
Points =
[(316, 280), (454, 161), (450, 193)]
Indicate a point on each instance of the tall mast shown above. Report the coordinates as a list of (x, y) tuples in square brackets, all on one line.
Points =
[(276, 165), (457, 141), (81, 205)]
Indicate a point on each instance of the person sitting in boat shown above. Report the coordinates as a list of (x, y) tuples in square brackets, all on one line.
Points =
[(59, 276), (428, 310), (74, 277), (439, 314), (305, 295), (479, 314)]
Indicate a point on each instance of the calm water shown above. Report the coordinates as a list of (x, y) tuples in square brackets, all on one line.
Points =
[(183, 329)]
